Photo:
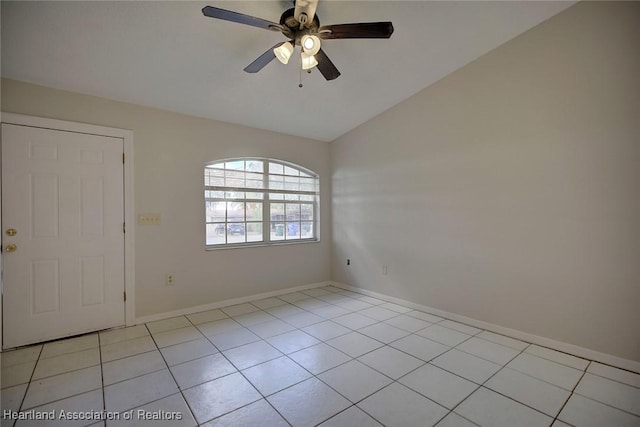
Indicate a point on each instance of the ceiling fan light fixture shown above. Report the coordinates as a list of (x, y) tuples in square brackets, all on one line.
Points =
[(310, 44), (308, 61), (284, 52)]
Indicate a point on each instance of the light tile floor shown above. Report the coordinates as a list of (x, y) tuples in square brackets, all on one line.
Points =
[(326, 357)]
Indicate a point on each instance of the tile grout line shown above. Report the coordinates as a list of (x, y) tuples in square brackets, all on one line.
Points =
[(584, 372), (65, 372), (104, 403), (611, 379), (370, 367), (167, 367), (522, 403), (452, 373), (560, 363), (377, 322), (484, 382), (455, 413), (172, 376), (135, 376), (287, 355), (595, 400), (540, 379), (315, 376), (29, 382), (239, 372), (56, 400)]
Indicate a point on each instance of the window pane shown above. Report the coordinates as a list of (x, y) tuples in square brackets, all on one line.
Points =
[(307, 184), (306, 212), (214, 177), (276, 196), (235, 233), (254, 232), (291, 184), (214, 194), (254, 211), (254, 176), (234, 179), (234, 182), (276, 182), (276, 168), (235, 165), (234, 195), (293, 230), (293, 211), (292, 197), (235, 211), (234, 174), (255, 196), (216, 211), (307, 198), (217, 166), (277, 231), (255, 165), (306, 230), (277, 212), (291, 171), (252, 183), (214, 237)]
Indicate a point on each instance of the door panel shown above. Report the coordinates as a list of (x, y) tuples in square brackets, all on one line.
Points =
[(63, 192)]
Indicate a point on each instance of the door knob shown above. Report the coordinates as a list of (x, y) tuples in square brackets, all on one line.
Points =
[(12, 232), (11, 248)]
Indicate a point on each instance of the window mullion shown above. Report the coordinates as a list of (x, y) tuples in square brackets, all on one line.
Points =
[(266, 205), (316, 220)]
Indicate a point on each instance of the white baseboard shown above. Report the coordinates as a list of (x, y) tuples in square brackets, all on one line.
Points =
[(575, 350), (226, 303)]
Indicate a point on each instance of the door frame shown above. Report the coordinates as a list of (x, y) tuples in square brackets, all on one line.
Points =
[(129, 215)]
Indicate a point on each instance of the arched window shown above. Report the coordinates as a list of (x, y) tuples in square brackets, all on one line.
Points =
[(250, 201)]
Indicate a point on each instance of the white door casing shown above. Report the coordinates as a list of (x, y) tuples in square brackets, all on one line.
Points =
[(64, 194)]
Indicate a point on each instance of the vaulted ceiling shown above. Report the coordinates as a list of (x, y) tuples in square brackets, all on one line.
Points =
[(168, 55)]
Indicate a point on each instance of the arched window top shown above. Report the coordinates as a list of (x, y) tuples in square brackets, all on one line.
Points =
[(255, 201), (257, 165)]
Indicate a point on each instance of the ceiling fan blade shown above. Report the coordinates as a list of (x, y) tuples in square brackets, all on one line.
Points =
[(363, 30), (240, 18), (262, 60), (326, 67)]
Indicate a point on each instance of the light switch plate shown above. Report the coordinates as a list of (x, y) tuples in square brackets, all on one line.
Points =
[(149, 219)]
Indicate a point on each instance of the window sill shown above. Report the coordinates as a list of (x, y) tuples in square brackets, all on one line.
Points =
[(259, 244)]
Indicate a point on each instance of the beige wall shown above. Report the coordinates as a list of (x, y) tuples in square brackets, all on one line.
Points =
[(170, 153), (509, 191)]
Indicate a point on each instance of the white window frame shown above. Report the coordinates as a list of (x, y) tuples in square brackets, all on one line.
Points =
[(266, 203)]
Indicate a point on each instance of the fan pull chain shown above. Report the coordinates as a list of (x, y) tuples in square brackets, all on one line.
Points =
[(300, 85)]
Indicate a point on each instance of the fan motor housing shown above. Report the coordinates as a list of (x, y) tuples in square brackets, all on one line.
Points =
[(288, 19)]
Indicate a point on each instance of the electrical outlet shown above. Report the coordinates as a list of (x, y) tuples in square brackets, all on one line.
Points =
[(169, 279), (348, 261), (149, 219)]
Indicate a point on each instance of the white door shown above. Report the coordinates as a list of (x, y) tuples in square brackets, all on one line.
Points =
[(63, 237)]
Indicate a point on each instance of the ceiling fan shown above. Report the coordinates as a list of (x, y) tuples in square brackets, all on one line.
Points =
[(301, 26)]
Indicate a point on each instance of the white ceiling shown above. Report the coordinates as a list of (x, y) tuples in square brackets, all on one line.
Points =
[(168, 55)]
